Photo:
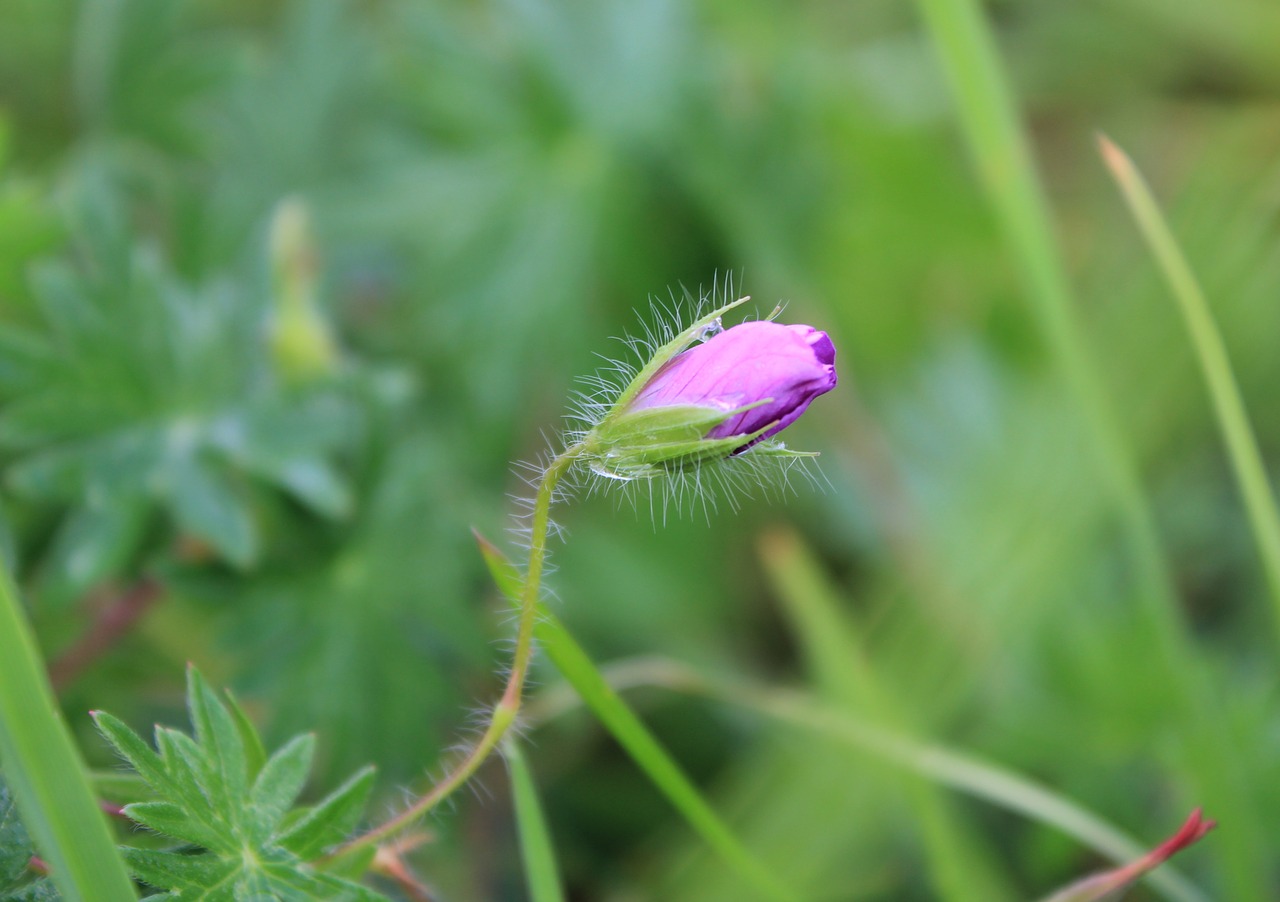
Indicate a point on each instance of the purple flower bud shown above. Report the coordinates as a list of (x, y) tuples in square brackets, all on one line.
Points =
[(785, 367)]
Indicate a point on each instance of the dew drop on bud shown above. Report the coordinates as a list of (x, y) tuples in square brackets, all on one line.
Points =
[(711, 329)]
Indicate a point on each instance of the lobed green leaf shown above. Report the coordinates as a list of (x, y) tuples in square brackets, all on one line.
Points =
[(169, 819), (254, 753), (280, 782), (140, 756), (207, 505), (247, 843), (219, 734), (329, 822)]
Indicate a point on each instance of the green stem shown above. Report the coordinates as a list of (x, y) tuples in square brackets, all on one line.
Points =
[(45, 773), (507, 709)]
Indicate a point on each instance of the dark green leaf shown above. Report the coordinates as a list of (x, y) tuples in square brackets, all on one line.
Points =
[(316, 484), (208, 506), (239, 846), (41, 890), (332, 820), (16, 848), (254, 754), (175, 871), (280, 781), (149, 765), (219, 735), (172, 820), (93, 544)]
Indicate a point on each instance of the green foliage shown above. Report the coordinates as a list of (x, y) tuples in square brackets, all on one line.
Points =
[(290, 442), (542, 873), (233, 810), (18, 883), (136, 395), (632, 734)]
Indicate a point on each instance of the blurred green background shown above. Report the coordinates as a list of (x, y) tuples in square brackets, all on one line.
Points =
[(285, 289)]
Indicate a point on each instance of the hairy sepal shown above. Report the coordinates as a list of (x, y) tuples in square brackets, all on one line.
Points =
[(643, 444)]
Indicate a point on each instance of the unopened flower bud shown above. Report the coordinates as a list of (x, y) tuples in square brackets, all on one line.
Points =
[(713, 400), (302, 343)]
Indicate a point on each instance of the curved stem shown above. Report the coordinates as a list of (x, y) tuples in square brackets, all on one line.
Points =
[(507, 709)]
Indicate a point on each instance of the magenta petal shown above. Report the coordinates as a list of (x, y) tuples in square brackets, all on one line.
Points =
[(751, 362)]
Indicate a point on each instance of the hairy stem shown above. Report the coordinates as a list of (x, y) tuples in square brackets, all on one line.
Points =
[(507, 709)]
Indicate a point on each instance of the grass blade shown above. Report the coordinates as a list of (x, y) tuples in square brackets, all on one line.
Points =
[(536, 851), (960, 868), (969, 775), (989, 119), (1211, 351), (955, 770), (645, 750), (46, 774), (631, 733)]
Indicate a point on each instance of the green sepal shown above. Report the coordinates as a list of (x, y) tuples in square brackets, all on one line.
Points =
[(651, 442), (665, 354)]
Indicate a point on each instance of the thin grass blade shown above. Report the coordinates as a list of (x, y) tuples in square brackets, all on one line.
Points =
[(46, 774), (960, 867), (631, 733), (1215, 362), (989, 119), (541, 871)]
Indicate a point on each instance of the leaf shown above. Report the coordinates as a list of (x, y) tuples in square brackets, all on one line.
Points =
[(134, 750), (218, 734), (94, 543), (45, 772), (247, 843), (206, 505), (16, 847), (255, 754), (171, 820), (1215, 364), (172, 871), (541, 872), (631, 733), (328, 823), (313, 482), (282, 779), (41, 890)]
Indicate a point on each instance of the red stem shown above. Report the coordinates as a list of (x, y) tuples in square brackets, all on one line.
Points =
[(113, 621)]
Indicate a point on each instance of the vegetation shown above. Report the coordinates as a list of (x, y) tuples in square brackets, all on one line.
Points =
[(285, 289)]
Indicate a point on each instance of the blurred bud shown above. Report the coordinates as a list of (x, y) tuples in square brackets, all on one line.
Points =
[(301, 341), (714, 400)]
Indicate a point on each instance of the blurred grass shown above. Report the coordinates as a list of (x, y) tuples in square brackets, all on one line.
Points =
[(46, 774), (536, 849), (493, 189), (1215, 364)]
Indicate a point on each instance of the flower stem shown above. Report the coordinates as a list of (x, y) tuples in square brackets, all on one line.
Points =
[(507, 709)]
